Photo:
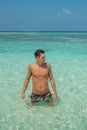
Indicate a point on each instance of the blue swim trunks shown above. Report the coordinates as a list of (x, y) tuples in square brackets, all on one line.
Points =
[(47, 97)]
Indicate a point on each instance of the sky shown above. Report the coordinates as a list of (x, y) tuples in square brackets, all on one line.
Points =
[(43, 15)]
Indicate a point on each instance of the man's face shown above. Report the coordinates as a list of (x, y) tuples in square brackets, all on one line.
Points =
[(41, 58)]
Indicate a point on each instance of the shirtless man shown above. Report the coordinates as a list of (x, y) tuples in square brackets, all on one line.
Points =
[(40, 71)]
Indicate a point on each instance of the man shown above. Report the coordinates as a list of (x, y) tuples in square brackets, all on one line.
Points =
[(40, 71)]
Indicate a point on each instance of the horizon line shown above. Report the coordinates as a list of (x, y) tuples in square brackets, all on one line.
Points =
[(44, 31)]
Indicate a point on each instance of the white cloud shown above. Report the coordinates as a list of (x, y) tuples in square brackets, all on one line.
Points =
[(63, 12), (66, 11)]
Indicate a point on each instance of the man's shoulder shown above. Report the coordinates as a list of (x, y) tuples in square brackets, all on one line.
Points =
[(48, 65), (31, 65)]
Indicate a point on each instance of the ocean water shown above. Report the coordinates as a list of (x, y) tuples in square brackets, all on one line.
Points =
[(67, 54)]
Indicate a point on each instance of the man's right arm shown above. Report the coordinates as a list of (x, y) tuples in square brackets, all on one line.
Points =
[(52, 83), (26, 81)]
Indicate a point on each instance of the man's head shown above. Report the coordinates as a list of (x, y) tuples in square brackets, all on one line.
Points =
[(40, 55)]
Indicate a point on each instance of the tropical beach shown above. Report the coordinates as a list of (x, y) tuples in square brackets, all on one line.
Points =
[(67, 54), (60, 29)]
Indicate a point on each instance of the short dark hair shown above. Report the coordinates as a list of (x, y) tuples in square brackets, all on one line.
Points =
[(38, 52)]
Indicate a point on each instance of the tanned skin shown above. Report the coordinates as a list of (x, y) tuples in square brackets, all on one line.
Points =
[(40, 71)]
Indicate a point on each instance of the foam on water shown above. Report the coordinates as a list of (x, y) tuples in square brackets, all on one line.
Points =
[(67, 54)]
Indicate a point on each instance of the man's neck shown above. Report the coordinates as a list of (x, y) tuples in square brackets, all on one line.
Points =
[(39, 64)]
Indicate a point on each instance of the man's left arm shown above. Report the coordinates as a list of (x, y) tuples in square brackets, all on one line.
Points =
[(52, 83)]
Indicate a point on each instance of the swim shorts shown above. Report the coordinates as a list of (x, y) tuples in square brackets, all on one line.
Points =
[(47, 97)]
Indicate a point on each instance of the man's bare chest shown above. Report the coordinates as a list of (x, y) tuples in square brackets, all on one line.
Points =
[(40, 72)]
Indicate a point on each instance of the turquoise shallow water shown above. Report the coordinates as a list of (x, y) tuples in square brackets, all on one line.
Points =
[(67, 54)]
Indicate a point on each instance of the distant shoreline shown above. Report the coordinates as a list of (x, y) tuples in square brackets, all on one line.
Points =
[(48, 31)]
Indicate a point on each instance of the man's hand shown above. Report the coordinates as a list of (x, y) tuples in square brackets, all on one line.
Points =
[(55, 97), (23, 95)]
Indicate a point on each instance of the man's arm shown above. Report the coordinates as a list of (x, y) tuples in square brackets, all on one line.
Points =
[(26, 81), (52, 83)]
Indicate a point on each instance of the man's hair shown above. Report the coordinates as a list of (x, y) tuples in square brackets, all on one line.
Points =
[(38, 52)]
